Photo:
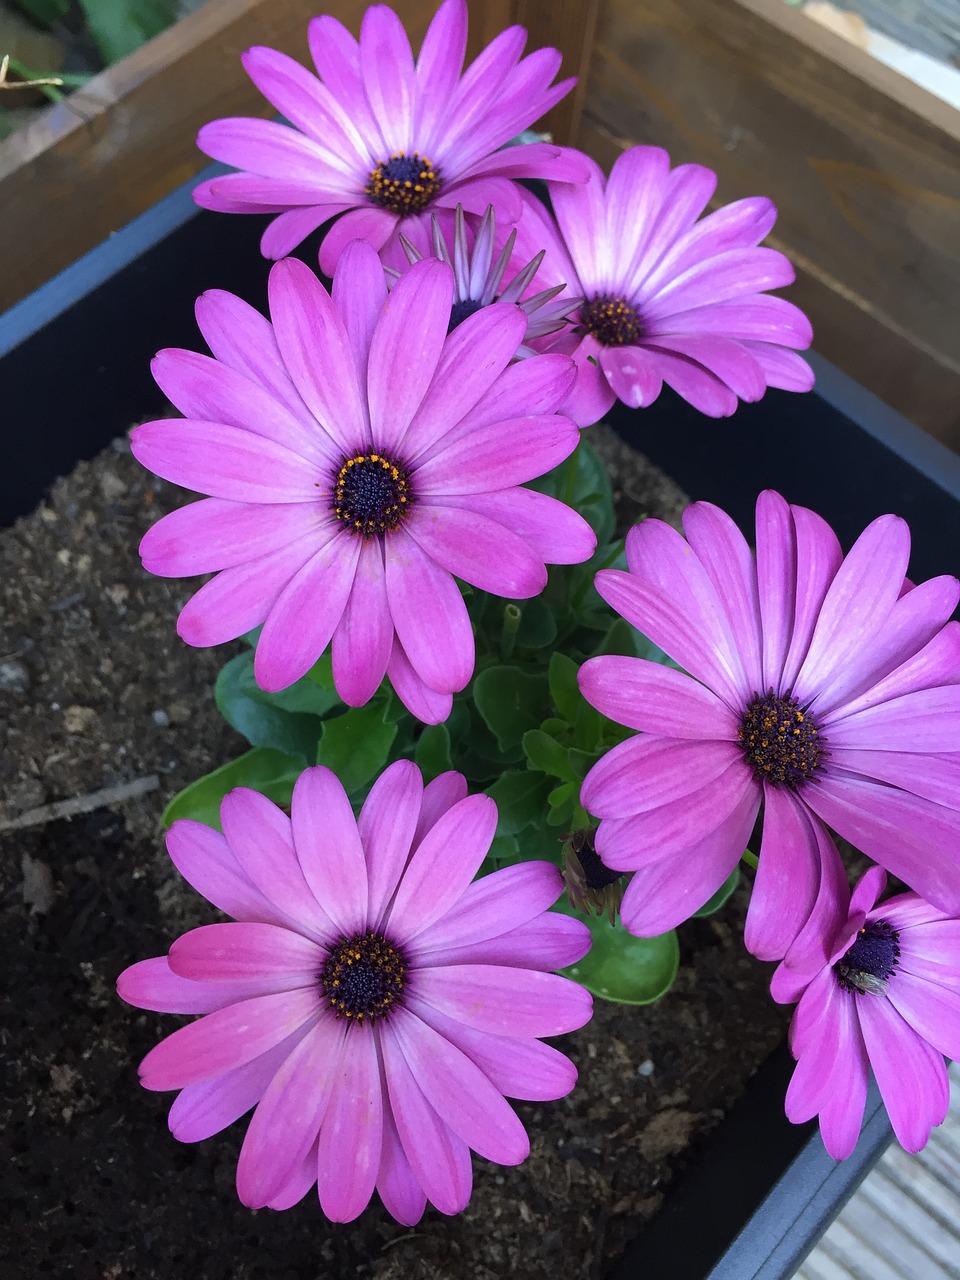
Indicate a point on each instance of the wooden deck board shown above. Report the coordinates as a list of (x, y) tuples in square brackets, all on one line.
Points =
[(904, 1221)]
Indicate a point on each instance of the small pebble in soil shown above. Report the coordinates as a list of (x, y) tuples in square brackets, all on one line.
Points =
[(646, 1067), (14, 676), (39, 891), (161, 718)]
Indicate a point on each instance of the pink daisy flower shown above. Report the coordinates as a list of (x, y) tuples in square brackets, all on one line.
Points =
[(878, 990), (479, 277), (370, 1002), (354, 458), (669, 299), (383, 140), (821, 686)]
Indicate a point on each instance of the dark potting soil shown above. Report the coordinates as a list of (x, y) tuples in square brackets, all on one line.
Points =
[(96, 691)]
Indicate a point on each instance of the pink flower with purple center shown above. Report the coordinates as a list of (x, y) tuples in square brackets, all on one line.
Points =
[(371, 1001), (480, 278), (356, 458), (824, 688), (878, 987), (669, 299), (383, 140)]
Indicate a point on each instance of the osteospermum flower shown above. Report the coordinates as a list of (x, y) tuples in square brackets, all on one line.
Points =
[(669, 299), (372, 1003), (382, 140), (878, 989), (821, 686), (478, 277), (356, 459)]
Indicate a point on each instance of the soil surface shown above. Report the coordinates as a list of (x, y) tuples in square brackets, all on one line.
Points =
[(96, 691)]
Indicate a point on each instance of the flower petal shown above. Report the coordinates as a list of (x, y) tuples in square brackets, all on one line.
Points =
[(317, 351), (352, 1127), (519, 1068), (363, 640), (429, 615), (328, 848), (460, 1092), (663, 895), (305, 615), (207, 863), (281, 958), (857, 603), (405, 348), (152, 984), (388, 824), (506, 1001), (499, 902), (442, 866), (203, 1109), (438, 1158), (226, 1038), (644, 773), (911, 1074), (904, 833), (259, 834), (659, 699), (477, 549), (788, 876), (286, 1122)]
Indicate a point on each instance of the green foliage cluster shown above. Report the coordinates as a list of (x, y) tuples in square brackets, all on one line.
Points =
[(521, 732)]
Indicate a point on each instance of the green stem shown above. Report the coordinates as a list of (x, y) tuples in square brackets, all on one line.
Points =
[(573, 465), (750, 859), (508, 636)]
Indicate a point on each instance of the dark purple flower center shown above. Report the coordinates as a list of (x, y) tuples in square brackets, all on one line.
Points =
[(363, 977), (371, 495), (460, 310), (404, 184), (780, 741), (612, 321), (868, 965)]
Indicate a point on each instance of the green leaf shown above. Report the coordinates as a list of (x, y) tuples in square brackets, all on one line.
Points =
[(321, 672), (588, 727), (287, 721), (580, 762), (357, 744), (720, 897), (538, 626), (562, 801), (521, 799), (622, 968), (622, 638), (432, 752), (270, 772), (540, 841), (510, 701), (120, 26), (46, 12), (545, 753), (564, 690), (504, 852)]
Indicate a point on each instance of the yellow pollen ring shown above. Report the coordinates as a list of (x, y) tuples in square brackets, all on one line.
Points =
[(371, 494)]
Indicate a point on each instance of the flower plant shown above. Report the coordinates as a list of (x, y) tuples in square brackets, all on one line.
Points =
[(455, 669)]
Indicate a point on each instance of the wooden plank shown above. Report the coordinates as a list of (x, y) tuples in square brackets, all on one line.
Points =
[(106, 153), (904, 1221), (864, 166), (109, 151)]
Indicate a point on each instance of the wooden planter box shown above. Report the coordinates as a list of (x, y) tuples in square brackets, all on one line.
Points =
[(74, 373), (863, 164)]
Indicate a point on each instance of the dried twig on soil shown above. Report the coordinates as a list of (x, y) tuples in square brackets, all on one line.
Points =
[(81, 804)]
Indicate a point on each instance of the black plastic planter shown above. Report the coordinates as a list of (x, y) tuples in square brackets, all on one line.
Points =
[(74, 373)]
